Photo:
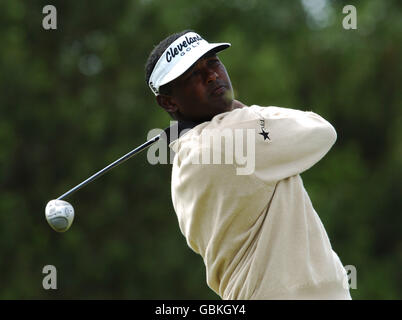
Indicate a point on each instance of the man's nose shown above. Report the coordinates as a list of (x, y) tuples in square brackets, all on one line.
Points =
[(211, 75)]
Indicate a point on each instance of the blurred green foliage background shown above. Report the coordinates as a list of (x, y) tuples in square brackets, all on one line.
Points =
[(74, 99)]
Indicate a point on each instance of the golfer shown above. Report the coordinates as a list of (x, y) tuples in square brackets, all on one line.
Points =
[(258, 233)]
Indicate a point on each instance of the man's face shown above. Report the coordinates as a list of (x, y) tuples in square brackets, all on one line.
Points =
[(203, 91)]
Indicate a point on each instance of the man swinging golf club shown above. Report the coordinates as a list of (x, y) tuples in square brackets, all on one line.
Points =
[(258, 233)]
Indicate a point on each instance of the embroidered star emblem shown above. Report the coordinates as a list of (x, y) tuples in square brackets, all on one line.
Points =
[(264, 134)]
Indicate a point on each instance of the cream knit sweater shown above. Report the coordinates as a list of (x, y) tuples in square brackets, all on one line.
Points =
[(258, 233)]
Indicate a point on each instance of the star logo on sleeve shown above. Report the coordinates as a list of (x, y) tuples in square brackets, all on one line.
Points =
[(264, 134)]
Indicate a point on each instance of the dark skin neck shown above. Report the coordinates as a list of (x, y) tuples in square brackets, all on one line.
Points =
[(235, 105)]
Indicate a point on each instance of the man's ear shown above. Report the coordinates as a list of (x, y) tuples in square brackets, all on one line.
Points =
[(167, 102)]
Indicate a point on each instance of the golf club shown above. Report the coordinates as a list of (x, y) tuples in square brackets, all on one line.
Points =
[(60, 214)]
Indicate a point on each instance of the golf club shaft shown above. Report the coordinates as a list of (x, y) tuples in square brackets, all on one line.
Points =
[(110, 166)]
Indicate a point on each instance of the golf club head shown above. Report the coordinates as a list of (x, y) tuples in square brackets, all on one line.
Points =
[(59, 214)]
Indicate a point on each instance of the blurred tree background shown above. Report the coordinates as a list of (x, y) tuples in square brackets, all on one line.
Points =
[(74, 99)]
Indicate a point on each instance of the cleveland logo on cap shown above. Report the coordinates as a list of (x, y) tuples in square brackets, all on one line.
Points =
[(173, 52)]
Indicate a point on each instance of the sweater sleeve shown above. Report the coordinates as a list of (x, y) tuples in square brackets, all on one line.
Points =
[(295, 141)]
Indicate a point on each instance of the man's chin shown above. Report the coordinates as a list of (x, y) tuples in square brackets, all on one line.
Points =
[(228, 97), (224, 102)]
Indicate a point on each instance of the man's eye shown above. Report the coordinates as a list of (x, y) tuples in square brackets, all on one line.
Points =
[(193, 73)]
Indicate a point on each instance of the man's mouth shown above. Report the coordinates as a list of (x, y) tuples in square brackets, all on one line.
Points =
[(218, 90)]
